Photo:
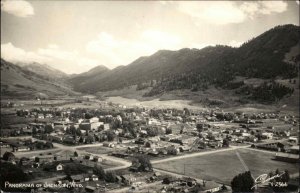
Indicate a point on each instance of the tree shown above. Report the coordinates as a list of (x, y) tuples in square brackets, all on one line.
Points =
[(78, 132), (48, 145), (11, 173), (142, 163), (99, 171), (152, 131), (172, 151), (48, 129), (187, 111), (148, 144), (72, 130), (286, 176), (37, 159), (8, 156), (110, 135), (242, 183), (225, 143), (34, 131), (90, 139), (110, 176), (168, 131), (75, 154)]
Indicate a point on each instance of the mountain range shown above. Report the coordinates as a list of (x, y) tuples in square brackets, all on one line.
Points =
[(270, 57), (32, 81)]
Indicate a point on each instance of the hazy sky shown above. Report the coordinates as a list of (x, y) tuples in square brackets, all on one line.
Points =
[(74, 36)]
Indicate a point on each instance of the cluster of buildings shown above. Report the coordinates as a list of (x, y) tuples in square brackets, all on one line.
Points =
[(153, 132)]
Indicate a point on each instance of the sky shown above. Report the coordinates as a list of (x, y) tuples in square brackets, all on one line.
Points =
[(75, 36)]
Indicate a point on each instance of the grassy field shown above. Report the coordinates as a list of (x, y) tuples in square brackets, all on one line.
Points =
[(98, 150), (155, 103), (223, 166)]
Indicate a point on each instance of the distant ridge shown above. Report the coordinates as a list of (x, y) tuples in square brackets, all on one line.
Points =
[(20, 82), (262, 57)]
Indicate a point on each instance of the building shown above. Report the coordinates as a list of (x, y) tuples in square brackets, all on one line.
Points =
[(267, 135), (97, 159), (90, 188), (293, 139), (128, 179), (210, 187), (77, 178), (22, 148), (292, 158), (59, 167)]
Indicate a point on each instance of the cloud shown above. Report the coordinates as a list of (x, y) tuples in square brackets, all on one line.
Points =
[(263, 7), (114, 52), (13, 54), (217, 12), (226, 12), (19, 8), (53, 55)]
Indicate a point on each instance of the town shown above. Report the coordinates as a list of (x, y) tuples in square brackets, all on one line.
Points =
[(110, 147)]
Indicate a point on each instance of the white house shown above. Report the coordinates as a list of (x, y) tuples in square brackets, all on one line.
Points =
[(59, 167), (267, 135)]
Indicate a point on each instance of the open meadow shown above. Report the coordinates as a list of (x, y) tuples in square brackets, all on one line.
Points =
[(223, 166)]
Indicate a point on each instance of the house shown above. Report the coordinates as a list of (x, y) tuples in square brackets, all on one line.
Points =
[(94, 120), (54, 167), (44, 158), (291, 158), (35, 165), (119, 179), (293, 139), (89, 157), (85, 126), (128, 179), (120, 154), (40, 116), (173, 150), (108, 144), (59, 127), (27, 131), (55, 137), (24, 161), (4, 144), (210, 187), (106, 126), (293, 149), (267, 135), (77, 178), (245, 134), (59, 167), (139, 141), (188, 181), (90, 188), (153, 153), (94, 178), (22, 148), (69, 140), (97, 159), (86, 177), (184, 148)]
